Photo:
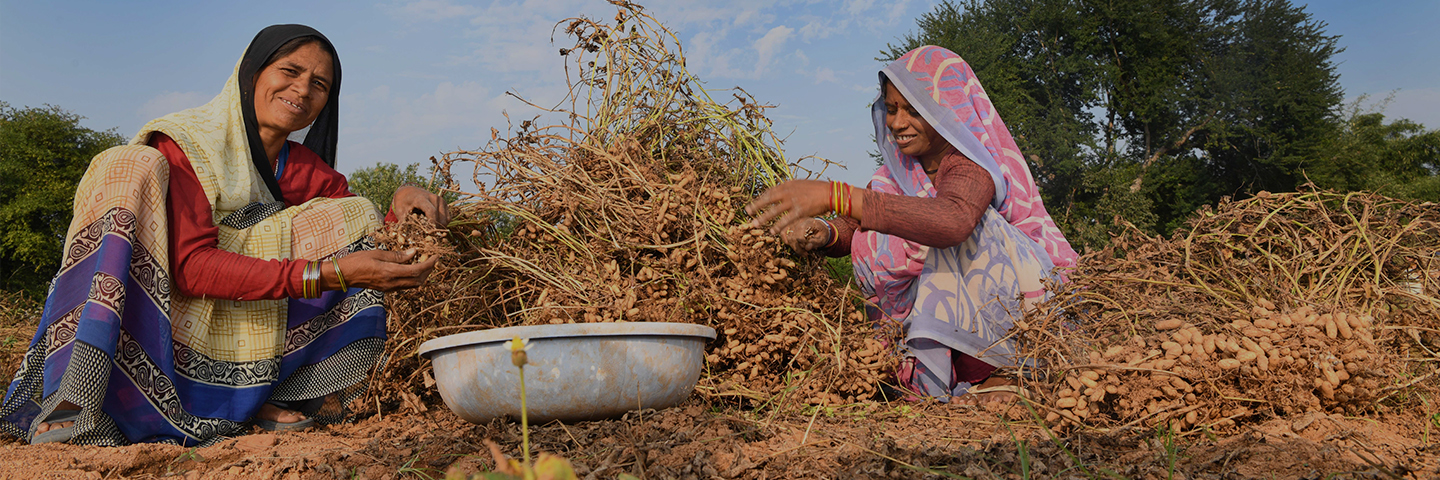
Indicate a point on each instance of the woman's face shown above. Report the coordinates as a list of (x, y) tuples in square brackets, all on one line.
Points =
[(291, 91), (912, 133)]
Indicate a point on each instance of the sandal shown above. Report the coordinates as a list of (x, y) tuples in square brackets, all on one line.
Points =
[(1019, 392), (274, 426), (58, 434)]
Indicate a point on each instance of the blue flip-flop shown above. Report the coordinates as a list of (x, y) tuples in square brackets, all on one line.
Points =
[(57, 435)]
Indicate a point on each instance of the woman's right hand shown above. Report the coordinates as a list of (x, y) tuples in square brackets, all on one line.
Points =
[(807, 235), (381, 270)]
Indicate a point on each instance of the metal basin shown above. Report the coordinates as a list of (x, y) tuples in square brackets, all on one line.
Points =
[(581, 371)]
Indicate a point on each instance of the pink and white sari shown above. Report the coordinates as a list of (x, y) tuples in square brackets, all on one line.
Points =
[(961, 298)]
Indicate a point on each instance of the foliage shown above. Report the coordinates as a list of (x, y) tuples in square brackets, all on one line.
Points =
[(378, 183), (1400, 159), (1148, 109), (43, 153)]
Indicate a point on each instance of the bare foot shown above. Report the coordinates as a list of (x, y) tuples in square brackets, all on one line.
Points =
[(988, 398), (279, 415), (45, 427)]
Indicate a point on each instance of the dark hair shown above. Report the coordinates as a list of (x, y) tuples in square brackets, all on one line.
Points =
[(294, 44)]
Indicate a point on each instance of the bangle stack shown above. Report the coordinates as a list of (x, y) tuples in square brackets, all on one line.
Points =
[(310, 280), (840, 198), (339, 276)]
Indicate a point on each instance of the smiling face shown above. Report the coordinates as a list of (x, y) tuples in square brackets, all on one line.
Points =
[(292, 90), (912, 133)]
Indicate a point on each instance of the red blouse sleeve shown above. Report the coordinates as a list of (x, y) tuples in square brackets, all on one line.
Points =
[(198, 267), (963, 192), (306, 176)]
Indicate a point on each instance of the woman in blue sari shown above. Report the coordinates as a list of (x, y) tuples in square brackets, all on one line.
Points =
[(217, 275)]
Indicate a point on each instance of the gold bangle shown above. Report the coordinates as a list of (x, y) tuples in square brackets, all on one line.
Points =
[(834, 234), (339, 276)]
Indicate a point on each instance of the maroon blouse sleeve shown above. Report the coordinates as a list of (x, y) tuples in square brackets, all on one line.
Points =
[(198, 267), (312, 178), (844, 231), (963, 192), (306, 176)]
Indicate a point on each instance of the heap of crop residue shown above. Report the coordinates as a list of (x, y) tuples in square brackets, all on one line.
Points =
[(632, 210), (1278, 304)]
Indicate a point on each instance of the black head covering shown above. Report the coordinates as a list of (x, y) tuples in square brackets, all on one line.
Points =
[(322, 135)]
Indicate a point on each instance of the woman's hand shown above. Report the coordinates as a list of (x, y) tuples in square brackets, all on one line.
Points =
[(381, 270), (792, 202), (808, 234), (408, 199)]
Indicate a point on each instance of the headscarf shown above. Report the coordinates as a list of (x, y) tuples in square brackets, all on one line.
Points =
[(943, 88), (223, 135)]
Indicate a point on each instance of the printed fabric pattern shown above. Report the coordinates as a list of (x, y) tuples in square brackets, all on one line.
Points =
[(959, 298)]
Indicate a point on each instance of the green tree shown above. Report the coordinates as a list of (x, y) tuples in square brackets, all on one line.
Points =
[(43, 154), (378, 183), (1399, 159), (1147, 109)]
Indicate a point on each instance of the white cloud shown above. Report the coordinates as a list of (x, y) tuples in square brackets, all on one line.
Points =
[(821, 28), (825, 74), (857, 7), (434, 10), (171, 102), (767, 45)]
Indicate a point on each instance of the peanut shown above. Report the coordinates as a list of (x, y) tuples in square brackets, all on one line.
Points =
[(1168, 324), (1343, 325)]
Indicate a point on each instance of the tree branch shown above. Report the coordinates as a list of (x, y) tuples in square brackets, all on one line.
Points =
[(1135, 187)]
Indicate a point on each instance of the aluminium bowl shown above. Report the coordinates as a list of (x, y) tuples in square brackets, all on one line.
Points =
[(579, 371)]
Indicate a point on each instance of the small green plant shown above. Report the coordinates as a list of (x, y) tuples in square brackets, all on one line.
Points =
[(1169, 448), (546, 467), (189, 455), (1022, 450), (1431, 419), (519, 358)]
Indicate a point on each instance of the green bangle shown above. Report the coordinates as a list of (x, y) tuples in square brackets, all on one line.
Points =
[(339, 276)]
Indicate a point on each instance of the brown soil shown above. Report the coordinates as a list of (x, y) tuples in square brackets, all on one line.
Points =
[(705, 439), (695, 441)]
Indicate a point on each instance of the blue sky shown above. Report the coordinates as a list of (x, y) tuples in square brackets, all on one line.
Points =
[(424, 77)]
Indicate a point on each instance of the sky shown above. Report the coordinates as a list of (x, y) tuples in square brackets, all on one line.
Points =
[(425, 77)]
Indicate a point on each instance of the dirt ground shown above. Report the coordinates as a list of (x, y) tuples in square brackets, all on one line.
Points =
[(695, 440), (705, 439)]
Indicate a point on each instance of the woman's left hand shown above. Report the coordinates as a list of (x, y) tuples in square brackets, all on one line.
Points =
[(408, 199), (796, 200)]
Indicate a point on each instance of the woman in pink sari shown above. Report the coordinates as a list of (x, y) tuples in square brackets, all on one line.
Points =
[(950, 238)]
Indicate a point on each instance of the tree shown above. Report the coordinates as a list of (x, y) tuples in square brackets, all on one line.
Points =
[(43, 154), (378, 183), (1400, 159), (1147, 109)]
